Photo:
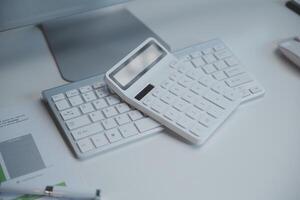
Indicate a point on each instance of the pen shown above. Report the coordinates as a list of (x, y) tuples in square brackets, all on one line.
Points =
[(53, 191)]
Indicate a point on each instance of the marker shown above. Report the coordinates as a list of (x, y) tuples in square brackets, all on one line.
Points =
[(53, 191)]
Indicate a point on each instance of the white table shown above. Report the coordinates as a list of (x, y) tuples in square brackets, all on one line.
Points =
[(254, 155)]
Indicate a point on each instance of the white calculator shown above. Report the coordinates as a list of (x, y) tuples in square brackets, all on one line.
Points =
[(187, 101)]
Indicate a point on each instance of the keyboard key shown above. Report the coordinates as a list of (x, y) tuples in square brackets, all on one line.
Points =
[(206, 81), (62, 104), (86, 131), (122, 107), (76, 100), (231, 61), (99, 140), (86, 108), (135, 115), (85, 89), (89, 96), (122, 119), (198, 62), (238, 80), (157, 92), (85, 145), (128, 130), (102, 92), (72, 93), (58, 97), (113, 135), (215, 111), (175, 76), (233, 71), (201, 104), (78, 122), (209, 68), (231, 95), (220, 65), (219, 75), (219, 47), (70, 113), (112, 100), (146, 124), (110, 111), (98, 85), (185, 66), (100, 103), (109, 123), (209, 58), (96, 116)]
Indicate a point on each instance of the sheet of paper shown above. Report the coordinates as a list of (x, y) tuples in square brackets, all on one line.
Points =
[(32, 151)]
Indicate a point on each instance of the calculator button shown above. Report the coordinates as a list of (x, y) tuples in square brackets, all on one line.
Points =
[(206, 120), (198, 129), (180, 105), (190, 97), (209, 58), (177, 89), (208, 69), (185, 81), (158, 106), (175, 76), (220, 65), (167, 97), (185, 66), (198, 88), (62, 104), (223, 54), (198, 62), (172, 114), (233, 71), (76, 100), (146, 124), (219, 75), (217, 99), (231, 61), (128, 130), (184, 121), (113, 135), (157, 92), (206, 81), (166, 84)]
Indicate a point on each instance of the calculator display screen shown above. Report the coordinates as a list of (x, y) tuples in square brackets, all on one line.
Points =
[(133, 68)]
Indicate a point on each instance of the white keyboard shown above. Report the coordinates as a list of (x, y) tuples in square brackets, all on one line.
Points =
[(94, 120)]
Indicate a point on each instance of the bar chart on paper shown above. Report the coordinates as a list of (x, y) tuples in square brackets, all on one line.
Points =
[(18, 157)]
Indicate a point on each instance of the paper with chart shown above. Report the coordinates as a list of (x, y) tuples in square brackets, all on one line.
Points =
[(32, 152)]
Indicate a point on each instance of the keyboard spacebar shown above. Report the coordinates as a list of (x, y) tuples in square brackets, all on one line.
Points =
[(146, 124)]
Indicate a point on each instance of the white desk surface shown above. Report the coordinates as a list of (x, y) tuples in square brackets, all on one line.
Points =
[(254, 155)]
